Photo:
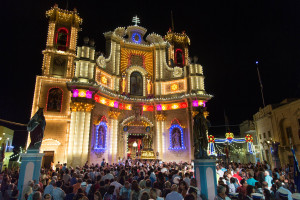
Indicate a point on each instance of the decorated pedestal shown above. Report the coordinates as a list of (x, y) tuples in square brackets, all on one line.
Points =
[(30, 168), (148, 154), (205, 173)]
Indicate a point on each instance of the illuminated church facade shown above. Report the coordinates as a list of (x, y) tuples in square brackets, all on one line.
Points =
[(137, 101)]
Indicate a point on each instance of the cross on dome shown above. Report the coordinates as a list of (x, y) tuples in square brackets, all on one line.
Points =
[(136, 20)]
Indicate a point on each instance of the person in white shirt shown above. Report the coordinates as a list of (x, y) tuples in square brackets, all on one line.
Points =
[(117, 186)]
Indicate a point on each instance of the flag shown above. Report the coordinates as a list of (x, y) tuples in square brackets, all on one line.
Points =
[(296, 171)]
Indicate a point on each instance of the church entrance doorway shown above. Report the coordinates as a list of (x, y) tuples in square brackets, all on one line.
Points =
[(134, 145), (48, 159)]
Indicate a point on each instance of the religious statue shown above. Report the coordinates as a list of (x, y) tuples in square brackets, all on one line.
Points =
[(101, 136), (176, 138), (36, 127), (200, 134)]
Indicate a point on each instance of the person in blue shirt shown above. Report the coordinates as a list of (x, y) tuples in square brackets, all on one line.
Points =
[(251, 180), (174, 195), (282, 192), (268, 179)]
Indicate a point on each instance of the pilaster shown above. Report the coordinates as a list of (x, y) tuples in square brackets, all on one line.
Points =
[(114, 124), (160, 136)]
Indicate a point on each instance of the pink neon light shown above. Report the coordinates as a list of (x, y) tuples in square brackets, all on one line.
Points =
[(158, 107), (75, 93), (195, 103), (89, 94), (116, 104)]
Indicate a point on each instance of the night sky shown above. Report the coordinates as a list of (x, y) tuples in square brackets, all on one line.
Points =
[(227, 36)]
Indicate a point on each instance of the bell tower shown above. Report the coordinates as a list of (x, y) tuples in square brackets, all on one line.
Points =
[(178, 51), (61, 43), (51, 92)]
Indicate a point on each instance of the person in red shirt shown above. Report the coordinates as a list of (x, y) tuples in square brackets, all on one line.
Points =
[(236, 175), (242, 190)]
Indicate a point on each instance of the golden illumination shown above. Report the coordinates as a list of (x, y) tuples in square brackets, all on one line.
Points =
[(64, 16), (160, 117), (104, 80), (113, 114), (147, 55), (80, 106), (174, 87), (177, 37)]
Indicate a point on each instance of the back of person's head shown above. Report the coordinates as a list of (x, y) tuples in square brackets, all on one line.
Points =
[(267, 194), (15, 193), (278, 184), (264, 184), (145, 196), (193, 182), (148, 183), (251, 174), (102, 183), (167, 184), (249, 190), (192, 190), (174, 187), (37, 196), (153, 193), (36, 187), (187, 175), (220, 189), (70, 189), (243, 181), (232, 180), (257, 185), (111, 189), (189, 197), (79, 180), (80, 191), (47, 197), (58, 184)]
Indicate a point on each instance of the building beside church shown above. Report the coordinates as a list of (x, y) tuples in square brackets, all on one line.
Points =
[(137, 101), (278, 123)]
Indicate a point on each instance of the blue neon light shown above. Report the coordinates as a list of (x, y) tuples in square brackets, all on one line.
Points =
[(133, 37), (181, 133), (97, 145)]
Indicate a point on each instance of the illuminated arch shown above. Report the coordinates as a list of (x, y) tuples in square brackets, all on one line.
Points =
[(173, 129), (142, 71), (62, 43), (177, 52)]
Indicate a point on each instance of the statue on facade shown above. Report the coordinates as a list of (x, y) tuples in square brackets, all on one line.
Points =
[(36, 127), (200, 134), (176, 138)]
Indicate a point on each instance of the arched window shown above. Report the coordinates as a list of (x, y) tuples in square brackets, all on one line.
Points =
[(176, 137), (62, 38), (136, 84), (179, 58), (55, 97)]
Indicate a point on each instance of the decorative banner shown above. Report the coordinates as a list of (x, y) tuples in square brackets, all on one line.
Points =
[(249, 140), (211, 145), (112, 103)]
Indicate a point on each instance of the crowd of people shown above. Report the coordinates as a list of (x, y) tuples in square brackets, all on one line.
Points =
[(144, 180)]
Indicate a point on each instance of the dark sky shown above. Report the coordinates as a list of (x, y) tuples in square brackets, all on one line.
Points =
[(227, 36)]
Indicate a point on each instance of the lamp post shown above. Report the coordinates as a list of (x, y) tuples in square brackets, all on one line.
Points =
[(134, 148)]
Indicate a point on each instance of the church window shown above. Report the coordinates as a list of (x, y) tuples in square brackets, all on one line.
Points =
[(62, 38), (54, 102), (136, 84), (179, 57)]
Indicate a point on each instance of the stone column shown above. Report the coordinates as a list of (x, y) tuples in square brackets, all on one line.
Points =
[(114, 124), (160, 136), (79, 133)]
